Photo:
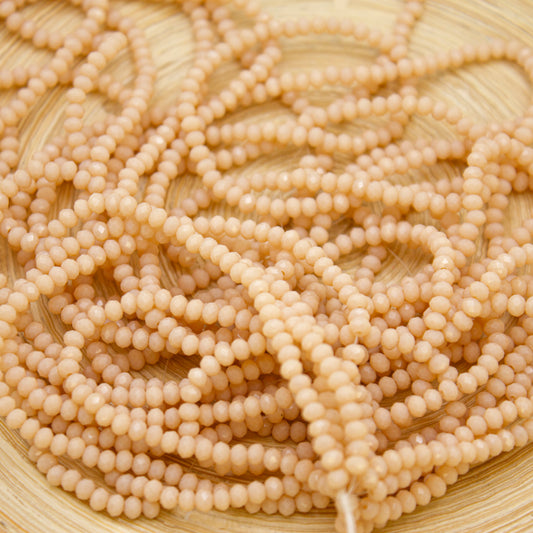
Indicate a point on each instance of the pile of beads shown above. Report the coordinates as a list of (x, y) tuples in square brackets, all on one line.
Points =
[(304, 380)]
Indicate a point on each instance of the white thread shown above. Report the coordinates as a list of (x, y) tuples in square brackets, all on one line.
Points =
[(345, 507)]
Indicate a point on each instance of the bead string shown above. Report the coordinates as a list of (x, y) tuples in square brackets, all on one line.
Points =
[(374, 395)]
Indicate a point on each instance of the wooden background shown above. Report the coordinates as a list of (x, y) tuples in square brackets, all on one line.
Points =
[(495, 497)]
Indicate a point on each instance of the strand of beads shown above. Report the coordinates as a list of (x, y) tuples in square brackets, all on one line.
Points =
[(254, 305)]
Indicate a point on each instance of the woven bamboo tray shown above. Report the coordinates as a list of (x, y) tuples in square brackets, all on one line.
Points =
[(495, 497)]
